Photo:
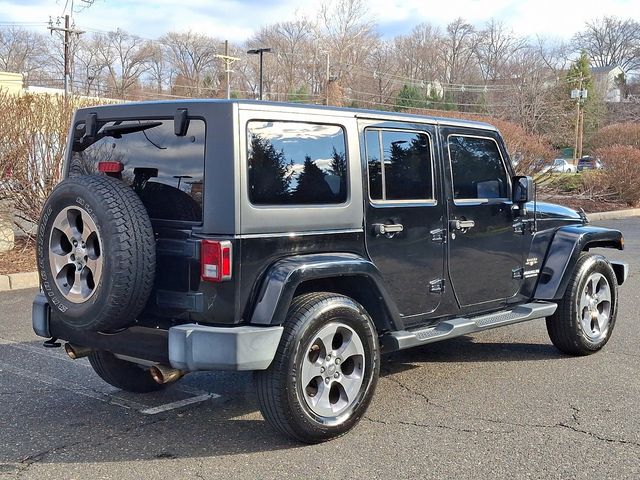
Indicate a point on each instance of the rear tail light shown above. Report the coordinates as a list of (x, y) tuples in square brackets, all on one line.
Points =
[(110, 167), (215, 260)]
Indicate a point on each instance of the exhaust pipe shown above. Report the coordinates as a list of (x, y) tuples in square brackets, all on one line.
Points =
[(76, 351), (162, 374)]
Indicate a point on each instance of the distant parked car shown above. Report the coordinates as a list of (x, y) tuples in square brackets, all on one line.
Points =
[(560, 165), (589, 163)]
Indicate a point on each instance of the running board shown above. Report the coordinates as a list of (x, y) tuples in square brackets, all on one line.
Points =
[(463, 326)]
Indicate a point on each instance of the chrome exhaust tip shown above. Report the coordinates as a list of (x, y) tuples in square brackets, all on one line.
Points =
[(162, 374), (76, 351)]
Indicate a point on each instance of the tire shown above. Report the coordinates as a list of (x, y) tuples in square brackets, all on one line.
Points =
[(165, 201), (95, 253), (122, 374), (583, 322), (309, 404)]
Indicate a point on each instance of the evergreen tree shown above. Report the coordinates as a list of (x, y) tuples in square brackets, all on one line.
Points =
[(268, 172), (312, 187), (409, 96)]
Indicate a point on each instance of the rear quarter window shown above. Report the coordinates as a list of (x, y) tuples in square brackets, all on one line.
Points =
[(165, 170), (296, 163)]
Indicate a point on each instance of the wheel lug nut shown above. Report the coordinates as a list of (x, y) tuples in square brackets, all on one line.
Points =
[(336, 375), (321, 369), (338, 361), (328, 357), (327, 380)]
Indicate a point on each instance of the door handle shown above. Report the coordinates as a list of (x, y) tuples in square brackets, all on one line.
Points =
[(389, 229), (462, 224)]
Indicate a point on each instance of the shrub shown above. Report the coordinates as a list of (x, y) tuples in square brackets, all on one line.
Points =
[(33, 134), (621, 173), (617, 134), (532, 151)]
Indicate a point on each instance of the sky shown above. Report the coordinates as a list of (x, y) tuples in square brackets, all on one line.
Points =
[(237, 20)]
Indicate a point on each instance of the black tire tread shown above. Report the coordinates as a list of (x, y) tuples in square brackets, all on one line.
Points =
[(563, 324), (270, 383), (133, 255), (122, 374)]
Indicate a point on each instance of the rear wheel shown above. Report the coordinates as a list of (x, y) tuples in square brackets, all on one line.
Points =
[(325, 370), (586, 314), (122, 374)]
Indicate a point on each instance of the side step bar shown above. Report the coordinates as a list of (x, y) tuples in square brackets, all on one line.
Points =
[(464, 326)]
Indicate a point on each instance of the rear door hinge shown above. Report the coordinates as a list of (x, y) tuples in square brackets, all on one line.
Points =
[(437, 285), (439, 235)]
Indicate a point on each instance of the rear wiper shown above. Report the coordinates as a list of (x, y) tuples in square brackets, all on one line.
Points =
[(116, 131)]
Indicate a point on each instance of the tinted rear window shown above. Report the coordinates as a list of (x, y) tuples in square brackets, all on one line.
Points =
[(166, 170)]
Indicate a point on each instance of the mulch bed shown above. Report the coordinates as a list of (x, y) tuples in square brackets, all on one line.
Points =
[(21, 259)]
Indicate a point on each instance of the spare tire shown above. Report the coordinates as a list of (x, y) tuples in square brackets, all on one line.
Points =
[(96, 253)]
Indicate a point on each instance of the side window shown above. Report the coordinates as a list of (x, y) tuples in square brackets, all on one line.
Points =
[(292, 163), (477, 168), (399, 165)]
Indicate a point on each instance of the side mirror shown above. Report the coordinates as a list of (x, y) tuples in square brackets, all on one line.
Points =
[(522, 189)]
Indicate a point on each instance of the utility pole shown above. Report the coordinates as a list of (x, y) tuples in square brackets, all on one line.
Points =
[(68, 30), (580, 95), (228, 61), (327, 80)]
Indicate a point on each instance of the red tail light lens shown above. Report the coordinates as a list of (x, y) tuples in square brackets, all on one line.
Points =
[(110, 167), (215, 260)]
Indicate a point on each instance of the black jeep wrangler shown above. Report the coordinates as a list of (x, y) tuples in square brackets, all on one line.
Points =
[(301, 242)]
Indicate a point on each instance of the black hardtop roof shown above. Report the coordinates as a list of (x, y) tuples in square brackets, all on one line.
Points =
[(344, 111)]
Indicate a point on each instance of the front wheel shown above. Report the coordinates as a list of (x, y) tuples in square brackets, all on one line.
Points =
[(323, 376), (586, 314)]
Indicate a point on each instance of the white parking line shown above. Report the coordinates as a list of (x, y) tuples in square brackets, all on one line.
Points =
[(109, 397), (42, 351), (79, 389), (180, 403)]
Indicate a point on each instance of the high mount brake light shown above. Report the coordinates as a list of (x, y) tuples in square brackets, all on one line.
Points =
[(215, 260), (110, 167)]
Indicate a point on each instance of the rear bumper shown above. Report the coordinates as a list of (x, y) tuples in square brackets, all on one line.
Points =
[(190, 347)]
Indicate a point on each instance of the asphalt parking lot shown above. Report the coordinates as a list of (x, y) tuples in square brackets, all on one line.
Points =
[(502, 404)]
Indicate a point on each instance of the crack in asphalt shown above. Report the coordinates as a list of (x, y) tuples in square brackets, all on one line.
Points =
[(426, 425), (564, 425), (32, 459), (598, 437), (200, 470), (414, 392)]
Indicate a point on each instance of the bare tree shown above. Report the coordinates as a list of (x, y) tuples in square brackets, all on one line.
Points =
[(611, 41), (496, 46), (160, 69), (419, 53), (193, 57), (22, 51), (459, 45), (89, 66), (349, 33), (126, 58)]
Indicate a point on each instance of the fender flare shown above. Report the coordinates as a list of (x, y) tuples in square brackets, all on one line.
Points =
[(563, 253), (281, 280)]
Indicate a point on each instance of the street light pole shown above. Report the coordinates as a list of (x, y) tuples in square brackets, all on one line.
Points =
[(259, 51)]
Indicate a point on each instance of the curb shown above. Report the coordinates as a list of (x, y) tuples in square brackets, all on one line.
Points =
[(614, 214), (18, 281)]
